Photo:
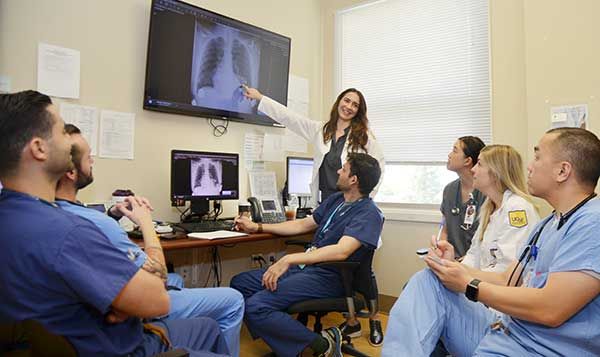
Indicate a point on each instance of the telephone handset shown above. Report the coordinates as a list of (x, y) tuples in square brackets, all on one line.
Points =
[(266, 210)]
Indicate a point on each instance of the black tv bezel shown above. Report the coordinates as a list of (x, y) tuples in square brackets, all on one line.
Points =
[(287, 172), (193, 198), (204, 112)]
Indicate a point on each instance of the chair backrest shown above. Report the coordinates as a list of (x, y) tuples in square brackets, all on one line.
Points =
[(364, 279)]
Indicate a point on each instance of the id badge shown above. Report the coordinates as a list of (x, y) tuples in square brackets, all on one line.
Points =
[(527, 278), (493, 255), (470, 215), (309, 249)]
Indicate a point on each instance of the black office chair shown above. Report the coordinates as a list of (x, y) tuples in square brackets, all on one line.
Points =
[(357, 278)]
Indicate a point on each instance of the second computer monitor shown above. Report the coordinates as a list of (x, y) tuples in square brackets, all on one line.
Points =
[(204, 175), (299, 175)]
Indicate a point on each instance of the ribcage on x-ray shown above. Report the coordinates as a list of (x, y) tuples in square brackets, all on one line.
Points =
[(212, 58), (199, 175), (213, 175), (241, 62)]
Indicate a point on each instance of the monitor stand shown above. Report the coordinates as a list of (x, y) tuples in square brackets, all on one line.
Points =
[(198, 209)]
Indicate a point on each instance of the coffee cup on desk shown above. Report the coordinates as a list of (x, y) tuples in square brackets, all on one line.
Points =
[(290, 213), (244, 209)]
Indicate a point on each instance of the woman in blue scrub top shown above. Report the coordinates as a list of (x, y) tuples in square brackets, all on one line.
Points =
[(347, 130)]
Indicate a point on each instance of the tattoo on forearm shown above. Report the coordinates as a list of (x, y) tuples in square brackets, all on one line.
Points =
[(153, 265)]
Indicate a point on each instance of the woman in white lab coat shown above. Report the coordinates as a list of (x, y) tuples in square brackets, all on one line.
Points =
[(347, 130), (508, 214)]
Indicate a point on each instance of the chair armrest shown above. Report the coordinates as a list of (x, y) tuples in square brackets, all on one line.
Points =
[(298, 242), (345, 265)]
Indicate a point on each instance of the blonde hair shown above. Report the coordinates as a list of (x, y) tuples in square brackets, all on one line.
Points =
[(506, 166)]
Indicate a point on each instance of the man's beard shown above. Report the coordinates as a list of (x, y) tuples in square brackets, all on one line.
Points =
[(84, 180), (341, 187)]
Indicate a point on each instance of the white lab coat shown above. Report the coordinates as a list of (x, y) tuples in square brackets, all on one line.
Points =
[(498, 249), (312, 131)]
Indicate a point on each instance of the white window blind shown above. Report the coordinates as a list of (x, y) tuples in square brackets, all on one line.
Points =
[(423, 66)]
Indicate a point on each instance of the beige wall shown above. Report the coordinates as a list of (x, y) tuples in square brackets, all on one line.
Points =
[(562, 57)]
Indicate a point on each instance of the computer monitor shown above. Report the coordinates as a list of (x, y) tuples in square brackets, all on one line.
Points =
[(299, 175), (202, 176), (197, 61)]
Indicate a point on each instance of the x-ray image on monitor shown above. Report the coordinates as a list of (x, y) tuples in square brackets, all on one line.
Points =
[(207, 177), (224, 59)]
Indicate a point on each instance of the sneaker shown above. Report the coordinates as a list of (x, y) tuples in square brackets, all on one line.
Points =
[(334, 337), (350, 331), (376, 334)]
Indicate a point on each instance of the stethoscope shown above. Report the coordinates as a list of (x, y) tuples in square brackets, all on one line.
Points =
[(532, 250)]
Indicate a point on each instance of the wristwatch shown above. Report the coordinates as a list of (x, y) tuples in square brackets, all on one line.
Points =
[(260, 228), (473, 290)]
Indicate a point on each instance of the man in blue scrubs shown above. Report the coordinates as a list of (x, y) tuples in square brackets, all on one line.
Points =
[(547, 303), (59, 269), (225, 305), (348, 224)]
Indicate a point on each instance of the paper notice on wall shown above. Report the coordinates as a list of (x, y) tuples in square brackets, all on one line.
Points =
[(298, 95), (574, 116), (253, 146), (273, 149), (5, 86), (293, 142), (263, 184), (116, 134), (86, 119), (58, 71)]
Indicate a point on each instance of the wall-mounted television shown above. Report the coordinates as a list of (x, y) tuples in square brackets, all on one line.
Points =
[(197, 61)]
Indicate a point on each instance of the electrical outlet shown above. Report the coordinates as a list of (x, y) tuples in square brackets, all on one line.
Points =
[(185, 272), (256, 260)]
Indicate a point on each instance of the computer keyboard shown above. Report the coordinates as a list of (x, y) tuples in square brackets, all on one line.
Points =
[(206, 226)]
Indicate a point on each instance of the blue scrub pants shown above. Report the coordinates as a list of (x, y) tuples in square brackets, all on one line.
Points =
[(265, 314), (426, 311), (225, 305), (200, 337)]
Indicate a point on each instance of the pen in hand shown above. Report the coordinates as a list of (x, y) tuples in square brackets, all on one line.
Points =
[(439, 235)]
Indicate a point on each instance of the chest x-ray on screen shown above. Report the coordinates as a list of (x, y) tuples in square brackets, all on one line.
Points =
[(207, 177), (224, 59)]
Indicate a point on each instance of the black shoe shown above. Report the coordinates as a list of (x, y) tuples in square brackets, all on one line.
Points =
[(334, 337), (376, 334), (350, 331)]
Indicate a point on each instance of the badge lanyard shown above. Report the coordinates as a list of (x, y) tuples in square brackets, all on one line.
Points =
[(325, 227)]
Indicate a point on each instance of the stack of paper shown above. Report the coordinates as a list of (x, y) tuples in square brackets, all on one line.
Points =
[(216, 235)]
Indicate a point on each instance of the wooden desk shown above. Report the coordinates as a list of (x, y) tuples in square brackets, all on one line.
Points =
[(183, 242)]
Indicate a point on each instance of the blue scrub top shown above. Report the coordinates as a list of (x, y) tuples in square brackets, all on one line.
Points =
[(117, 236), (575, 247), (361, 220), (59, 270)]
